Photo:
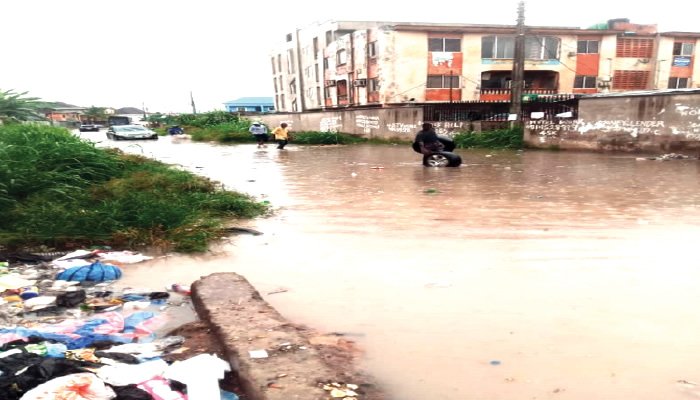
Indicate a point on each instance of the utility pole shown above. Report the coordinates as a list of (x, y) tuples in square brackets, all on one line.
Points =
[(451, 86), (516, 90), (194, 109)]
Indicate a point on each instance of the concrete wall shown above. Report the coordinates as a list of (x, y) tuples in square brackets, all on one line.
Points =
[(395, 123), (644, 124)]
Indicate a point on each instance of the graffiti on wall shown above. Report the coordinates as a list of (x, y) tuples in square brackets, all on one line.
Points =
[(544, 127), (400, 127), (367, 123), (331, 124), (449, 127)]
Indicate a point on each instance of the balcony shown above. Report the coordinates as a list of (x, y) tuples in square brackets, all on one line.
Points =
[(504, 94)]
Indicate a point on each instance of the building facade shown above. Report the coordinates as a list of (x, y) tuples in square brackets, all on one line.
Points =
[(340, 64)]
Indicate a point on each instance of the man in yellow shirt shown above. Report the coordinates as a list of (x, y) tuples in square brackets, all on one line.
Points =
[(281, 134)]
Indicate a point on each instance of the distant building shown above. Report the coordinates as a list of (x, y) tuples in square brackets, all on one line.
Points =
[(339, 64), (251, 104)]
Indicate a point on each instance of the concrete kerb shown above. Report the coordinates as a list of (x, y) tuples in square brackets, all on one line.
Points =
[(242, 321)]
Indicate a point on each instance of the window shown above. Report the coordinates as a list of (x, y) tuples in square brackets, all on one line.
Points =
[(289, 37), (632, 48), (372, 49), (630, 79), (279, 63), (329, 37), (315, 48), (374, 85), (678, 83), (587, 47), (281, 84), (682, 49), (444, 44), (442, 82), (293, 86), (307, 72), (273, 66), (317, 75), (541, 48), (318, 95), (341, 57), (282, 105), (275, 83), (584, 82), (327, 92), (290, 61), (325, 63), (497, 47)]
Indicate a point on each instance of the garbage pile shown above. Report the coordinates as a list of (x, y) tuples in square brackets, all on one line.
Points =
[(67, 331)]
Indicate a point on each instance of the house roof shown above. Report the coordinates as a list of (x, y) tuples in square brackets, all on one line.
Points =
[(246, 101)]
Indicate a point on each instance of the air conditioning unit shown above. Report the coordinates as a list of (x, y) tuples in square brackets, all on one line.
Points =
[(330, 83), (359, 82), (603, 82)]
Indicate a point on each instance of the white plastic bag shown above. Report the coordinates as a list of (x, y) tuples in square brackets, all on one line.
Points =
[(82, 386)]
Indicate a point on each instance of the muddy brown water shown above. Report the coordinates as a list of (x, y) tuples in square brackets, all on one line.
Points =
[(520, 275)]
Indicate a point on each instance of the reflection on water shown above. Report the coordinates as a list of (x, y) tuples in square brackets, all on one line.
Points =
[(576, 272)]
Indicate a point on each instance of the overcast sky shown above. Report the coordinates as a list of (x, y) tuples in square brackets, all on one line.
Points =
[(154, 52)]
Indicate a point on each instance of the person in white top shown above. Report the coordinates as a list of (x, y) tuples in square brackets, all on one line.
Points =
[(259, 131)]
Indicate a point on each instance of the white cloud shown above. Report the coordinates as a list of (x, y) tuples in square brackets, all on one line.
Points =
[(154, 52)]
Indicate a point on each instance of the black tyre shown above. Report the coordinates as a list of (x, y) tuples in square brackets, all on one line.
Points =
[(442, 159)]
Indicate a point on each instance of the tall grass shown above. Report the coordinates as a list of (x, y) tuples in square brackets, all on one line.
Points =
[(497, 139), (60, 191)]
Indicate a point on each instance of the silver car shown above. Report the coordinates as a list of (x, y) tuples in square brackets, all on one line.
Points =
[(119, 132)]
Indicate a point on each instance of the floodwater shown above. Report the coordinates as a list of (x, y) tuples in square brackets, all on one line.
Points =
[(520, 275)]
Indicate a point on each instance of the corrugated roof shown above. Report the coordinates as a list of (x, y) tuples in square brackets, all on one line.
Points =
[(634, 93), (251, 100)]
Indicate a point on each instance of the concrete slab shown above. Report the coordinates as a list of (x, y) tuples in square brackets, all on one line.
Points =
[(245, 323)]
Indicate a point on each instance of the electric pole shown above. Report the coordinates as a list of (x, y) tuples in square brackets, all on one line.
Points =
[(516, 89), (194, 109)]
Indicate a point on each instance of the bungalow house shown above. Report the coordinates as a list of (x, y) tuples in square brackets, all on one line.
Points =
[(251, 104)]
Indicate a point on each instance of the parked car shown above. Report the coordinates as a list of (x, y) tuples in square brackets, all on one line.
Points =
[(89, 128), (119, 132)]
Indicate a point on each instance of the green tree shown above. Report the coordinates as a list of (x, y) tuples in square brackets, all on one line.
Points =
[(94, 114), (17, 107)]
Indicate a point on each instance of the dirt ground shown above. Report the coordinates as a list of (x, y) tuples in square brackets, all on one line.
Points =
[(338, 351)]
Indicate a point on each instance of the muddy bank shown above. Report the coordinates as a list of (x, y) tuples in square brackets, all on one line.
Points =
[(273, 358)]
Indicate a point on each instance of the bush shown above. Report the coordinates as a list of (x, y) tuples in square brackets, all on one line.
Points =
[(498, 139), (58, 190), (325, 138)]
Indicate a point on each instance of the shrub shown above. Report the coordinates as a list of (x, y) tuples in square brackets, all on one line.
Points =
[(498, 139)]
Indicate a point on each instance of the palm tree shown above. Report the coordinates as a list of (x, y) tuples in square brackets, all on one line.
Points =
[(16, 107)]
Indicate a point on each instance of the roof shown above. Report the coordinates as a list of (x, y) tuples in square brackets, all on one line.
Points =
[(637, 93), (128, 110), (245, 101)]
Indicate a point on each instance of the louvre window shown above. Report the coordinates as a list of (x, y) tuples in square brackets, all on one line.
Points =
[(630, 79), (640, 48)]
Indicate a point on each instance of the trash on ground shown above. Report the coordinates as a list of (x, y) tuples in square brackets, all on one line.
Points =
[(67, 331)]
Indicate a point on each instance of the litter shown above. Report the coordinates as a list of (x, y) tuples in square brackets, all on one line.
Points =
[(258, 353)]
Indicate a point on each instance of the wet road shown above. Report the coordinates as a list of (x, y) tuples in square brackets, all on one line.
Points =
[(520, 275)]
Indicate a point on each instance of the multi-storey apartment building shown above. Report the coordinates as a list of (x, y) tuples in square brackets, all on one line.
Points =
[(353, 64)]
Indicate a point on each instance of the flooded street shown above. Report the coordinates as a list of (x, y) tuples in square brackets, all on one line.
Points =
[(520, 275)]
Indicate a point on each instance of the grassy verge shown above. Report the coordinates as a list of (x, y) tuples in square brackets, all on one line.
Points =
[(498, 139), (59, 191)]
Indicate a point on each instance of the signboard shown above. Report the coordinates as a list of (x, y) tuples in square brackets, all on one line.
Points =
[(681, 61)]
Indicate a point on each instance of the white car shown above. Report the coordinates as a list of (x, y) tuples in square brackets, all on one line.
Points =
[(119, 132)]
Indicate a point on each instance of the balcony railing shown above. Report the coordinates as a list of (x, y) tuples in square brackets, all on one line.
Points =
[(525, 91)]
